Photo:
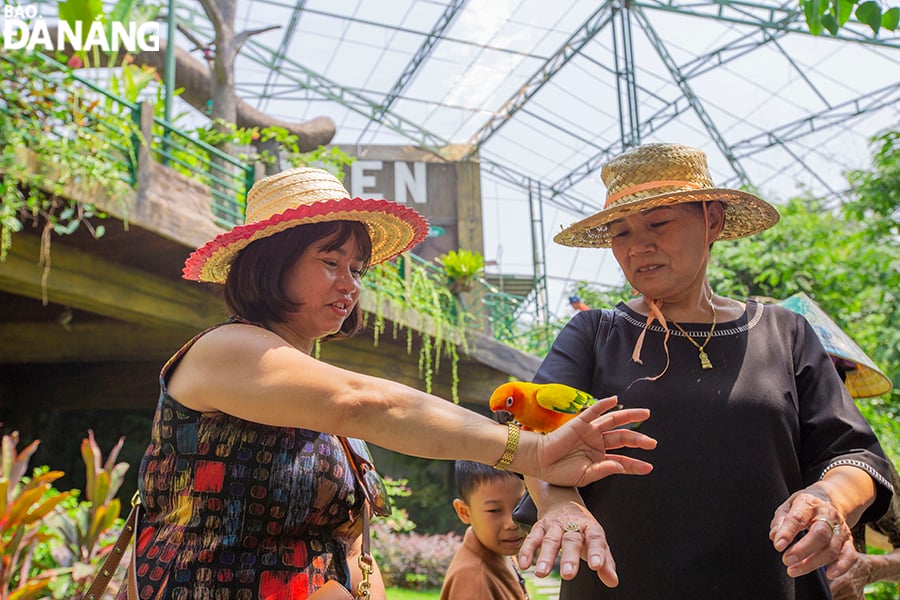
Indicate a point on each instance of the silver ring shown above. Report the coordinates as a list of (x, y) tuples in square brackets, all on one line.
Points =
[(835, 529), (572, 526)]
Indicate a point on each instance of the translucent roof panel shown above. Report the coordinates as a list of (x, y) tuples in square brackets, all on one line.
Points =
[(547, 91)]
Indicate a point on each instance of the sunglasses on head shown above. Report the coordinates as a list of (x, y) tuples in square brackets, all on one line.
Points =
[(372, 485)]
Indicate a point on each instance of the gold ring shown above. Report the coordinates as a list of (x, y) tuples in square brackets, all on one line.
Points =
[(572, 526), (835, 529)]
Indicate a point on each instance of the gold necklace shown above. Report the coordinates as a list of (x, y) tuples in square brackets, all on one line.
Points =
[(704, 357)]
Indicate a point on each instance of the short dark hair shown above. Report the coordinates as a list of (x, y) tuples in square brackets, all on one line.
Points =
[(469, 475), (254, 289)]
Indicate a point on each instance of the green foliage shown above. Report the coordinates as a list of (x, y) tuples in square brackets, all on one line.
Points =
[(398, 521), (823, 15), (253, 143), (414, 286), (408, 559), (846, 258), (88, 11), (86, 529), (54, 133), (461, 267), (877, 198)]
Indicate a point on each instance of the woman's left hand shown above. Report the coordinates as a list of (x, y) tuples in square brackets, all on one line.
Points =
[(577, 453), (827, 539), (571, 533)]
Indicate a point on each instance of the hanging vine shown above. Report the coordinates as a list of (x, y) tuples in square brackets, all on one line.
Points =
[(55, 133), (424, 292)]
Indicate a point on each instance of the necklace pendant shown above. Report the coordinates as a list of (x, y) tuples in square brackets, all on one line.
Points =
[(704, 361)]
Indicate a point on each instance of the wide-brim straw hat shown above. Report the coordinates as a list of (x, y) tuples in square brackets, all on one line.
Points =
[(864, 381), (656, 175), (298, 197)]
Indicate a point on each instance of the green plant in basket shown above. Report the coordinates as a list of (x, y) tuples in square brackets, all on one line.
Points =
[(461, 267)]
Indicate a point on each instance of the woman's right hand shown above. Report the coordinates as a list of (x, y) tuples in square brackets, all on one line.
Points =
[(576, 453)]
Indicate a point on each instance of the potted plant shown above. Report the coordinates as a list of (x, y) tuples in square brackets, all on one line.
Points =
[(461, 267)]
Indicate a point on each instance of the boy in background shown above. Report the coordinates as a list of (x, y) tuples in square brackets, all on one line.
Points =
[(483, 568)]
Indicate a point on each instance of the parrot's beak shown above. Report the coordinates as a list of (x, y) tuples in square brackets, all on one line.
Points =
[(503, 417)]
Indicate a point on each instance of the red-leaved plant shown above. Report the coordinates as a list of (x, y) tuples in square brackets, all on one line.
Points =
[(87, 530), (24, 504), (50, 544)]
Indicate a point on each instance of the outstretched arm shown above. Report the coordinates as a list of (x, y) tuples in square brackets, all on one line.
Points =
[(253, 374)]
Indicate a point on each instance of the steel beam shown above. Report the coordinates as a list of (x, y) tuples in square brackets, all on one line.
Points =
[(282, 49), (786, 17), (682, 82), (569, 49), (443, 22)]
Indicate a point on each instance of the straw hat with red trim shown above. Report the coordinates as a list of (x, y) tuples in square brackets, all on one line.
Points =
[(298, 197), (656, 175)]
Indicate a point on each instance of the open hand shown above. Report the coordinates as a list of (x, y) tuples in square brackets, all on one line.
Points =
[(576, 453)]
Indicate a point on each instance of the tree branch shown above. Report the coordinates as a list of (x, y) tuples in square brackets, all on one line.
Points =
[(245, 35)]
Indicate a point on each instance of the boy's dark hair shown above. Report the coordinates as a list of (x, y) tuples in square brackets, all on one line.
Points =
[(254, 289), (469, 475)]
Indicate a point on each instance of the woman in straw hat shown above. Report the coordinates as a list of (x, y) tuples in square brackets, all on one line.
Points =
[(764, 463), (247, 490)]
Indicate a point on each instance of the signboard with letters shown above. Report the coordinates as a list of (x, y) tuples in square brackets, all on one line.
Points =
[(447, 193)]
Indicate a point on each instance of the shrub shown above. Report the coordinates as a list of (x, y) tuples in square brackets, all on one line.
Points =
[(413, 560)]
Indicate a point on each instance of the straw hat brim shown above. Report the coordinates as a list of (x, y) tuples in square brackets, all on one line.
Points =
[(745, 214), (866, 380), (393, 227)]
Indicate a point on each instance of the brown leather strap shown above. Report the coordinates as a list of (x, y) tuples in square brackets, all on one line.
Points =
[(366, 560), (366, 538), (108, 569)]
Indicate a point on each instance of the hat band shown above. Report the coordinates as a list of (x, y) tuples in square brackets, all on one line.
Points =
[(649, 185)]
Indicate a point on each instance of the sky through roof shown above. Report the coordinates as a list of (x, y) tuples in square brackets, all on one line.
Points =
[(547, 91)]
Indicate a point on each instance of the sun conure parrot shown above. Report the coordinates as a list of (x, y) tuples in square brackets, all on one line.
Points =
[(541, 407)]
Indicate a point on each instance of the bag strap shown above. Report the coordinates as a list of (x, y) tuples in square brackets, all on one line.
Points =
[(366, 560), (109, 566), (606, 317)]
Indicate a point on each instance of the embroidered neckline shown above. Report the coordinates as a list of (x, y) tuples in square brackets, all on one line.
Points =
[(752, 320)]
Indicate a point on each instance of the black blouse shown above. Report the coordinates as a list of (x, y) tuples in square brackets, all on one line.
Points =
[(769, 418)]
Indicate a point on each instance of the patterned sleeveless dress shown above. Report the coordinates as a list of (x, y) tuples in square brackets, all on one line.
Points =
[(235, 510)]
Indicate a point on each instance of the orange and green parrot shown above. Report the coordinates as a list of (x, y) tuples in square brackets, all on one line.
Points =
[(541, 407)]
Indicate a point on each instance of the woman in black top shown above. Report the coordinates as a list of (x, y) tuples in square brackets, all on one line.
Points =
[(763, 464)]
